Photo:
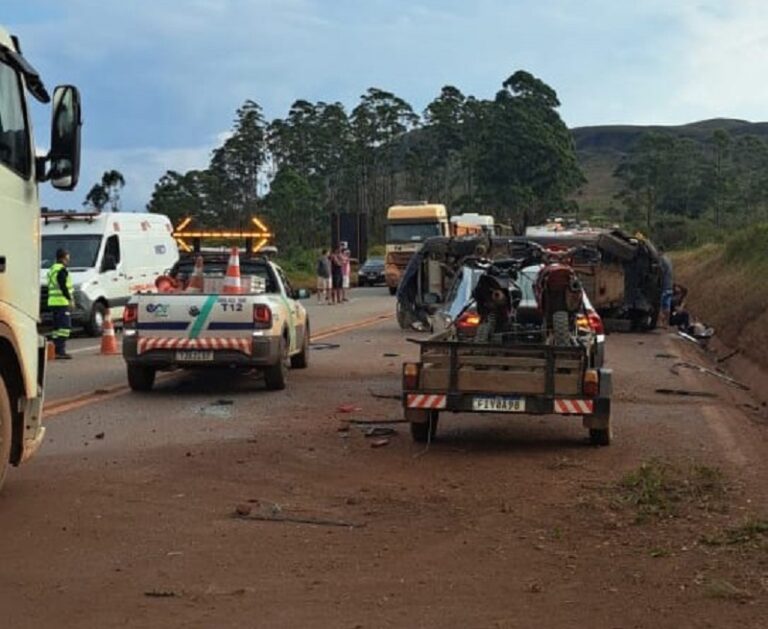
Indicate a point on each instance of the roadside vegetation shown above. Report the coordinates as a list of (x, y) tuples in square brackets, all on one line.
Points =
[(728, 290)]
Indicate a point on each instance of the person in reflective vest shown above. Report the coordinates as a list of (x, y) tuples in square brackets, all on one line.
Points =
[(60, 301)]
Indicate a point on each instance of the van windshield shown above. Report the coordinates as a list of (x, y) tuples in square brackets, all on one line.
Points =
[(83, 250)]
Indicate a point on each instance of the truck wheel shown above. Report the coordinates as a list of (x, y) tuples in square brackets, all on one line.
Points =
[(561, 328), (6, 421), (600, 436), (141, 378), (95, 324), (276, 375), (392, 290), (426, 429), (301, 360)]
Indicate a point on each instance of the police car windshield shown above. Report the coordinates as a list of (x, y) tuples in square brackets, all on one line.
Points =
[(83, 250)]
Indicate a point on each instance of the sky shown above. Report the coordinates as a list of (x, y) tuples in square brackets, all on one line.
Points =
[(161, 79)]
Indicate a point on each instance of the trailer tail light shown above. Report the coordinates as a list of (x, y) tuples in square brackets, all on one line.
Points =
[(595, 322), (410, 376), (591, 385), (262, 317)]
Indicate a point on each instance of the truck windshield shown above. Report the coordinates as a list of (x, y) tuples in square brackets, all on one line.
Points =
[(412, 232), (83, 250)]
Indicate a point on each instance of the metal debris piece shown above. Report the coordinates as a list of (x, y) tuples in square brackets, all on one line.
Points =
[(685, 392), (299, 520), (709, 372)]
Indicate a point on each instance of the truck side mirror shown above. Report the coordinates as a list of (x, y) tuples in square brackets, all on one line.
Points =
[(65, 138)]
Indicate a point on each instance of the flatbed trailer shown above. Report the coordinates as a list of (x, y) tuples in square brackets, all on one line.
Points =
[(516, 379)]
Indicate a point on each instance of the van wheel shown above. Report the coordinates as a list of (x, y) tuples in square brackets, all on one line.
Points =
[(276, 375), (301, 360), (6, 421), (141, 378), (95, 324)]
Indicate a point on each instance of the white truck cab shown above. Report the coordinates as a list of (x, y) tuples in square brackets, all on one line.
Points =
[(22, 350), (113, 255)]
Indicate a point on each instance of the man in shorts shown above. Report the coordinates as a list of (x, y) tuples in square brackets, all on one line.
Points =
[(337, 277), (324, 278)]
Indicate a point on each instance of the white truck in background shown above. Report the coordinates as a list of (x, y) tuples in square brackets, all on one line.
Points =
[(22, 350), (113, 256)]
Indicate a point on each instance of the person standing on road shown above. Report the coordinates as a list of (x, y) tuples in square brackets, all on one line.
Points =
[(345, 272), (337, 278), (60, 301), (667, 281), (324, 278)]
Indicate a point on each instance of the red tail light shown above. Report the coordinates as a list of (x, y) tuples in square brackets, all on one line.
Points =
[(262, 316), (130, 314), (591, 385), (468, 321), (595, 322)]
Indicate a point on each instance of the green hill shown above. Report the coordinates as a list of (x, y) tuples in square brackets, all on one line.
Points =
[(601, 148)]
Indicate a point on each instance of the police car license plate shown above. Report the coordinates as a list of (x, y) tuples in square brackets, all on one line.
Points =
[(194, 356), (498, 404)]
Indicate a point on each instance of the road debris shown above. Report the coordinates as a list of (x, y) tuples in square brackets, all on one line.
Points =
[(160, 594), (348, 408), (323, 346), (729, 355), (99, 436), (286, 519), (379, 431), (243, 510), (385, 396), (710, 372), (664, 355), (685, 392), (390, 355), (379, 443)]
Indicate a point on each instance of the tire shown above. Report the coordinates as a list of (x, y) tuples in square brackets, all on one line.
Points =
[(95, 324), (141, 378), (424, 432), (301, 360), (392, 290), (275, 376), (600, 436), (6, 432), (561, 329)]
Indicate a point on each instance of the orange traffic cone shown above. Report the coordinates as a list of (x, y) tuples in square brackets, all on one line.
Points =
[(232, 278), (196, 279), (108, 338)]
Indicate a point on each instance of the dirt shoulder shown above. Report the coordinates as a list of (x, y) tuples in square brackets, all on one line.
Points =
[(502, 522)]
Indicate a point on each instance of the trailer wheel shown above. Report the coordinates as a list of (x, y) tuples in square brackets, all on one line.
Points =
[(424, 428), (6, 435), (141, 378)]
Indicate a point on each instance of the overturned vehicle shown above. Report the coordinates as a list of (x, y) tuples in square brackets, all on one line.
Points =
[(622, 280)]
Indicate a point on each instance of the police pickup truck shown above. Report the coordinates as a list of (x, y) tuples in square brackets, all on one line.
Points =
[(264, 327)]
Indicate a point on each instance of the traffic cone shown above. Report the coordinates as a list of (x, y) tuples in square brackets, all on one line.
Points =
[(108, 338), (232, 279), (196, 279)]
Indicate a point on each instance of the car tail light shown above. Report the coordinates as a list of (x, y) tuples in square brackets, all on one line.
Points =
[(591, 383), (130, 314), (596, 322), (468, 321), (410, 376), (262, 316)]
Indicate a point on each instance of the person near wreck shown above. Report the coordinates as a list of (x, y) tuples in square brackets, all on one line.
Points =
[(60, 301)]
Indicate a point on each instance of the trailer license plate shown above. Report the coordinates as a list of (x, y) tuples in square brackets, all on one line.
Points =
[(194, 356), (498, 404)]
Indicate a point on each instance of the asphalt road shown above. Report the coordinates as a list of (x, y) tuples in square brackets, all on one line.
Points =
[(127, 517)]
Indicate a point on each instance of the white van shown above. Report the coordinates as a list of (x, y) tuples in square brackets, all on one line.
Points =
[(113, 255)]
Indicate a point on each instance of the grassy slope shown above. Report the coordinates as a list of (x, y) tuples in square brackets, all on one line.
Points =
[(728, 289)]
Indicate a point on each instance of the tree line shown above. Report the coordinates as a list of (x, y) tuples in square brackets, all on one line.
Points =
[(511, 156), (678, 183)]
